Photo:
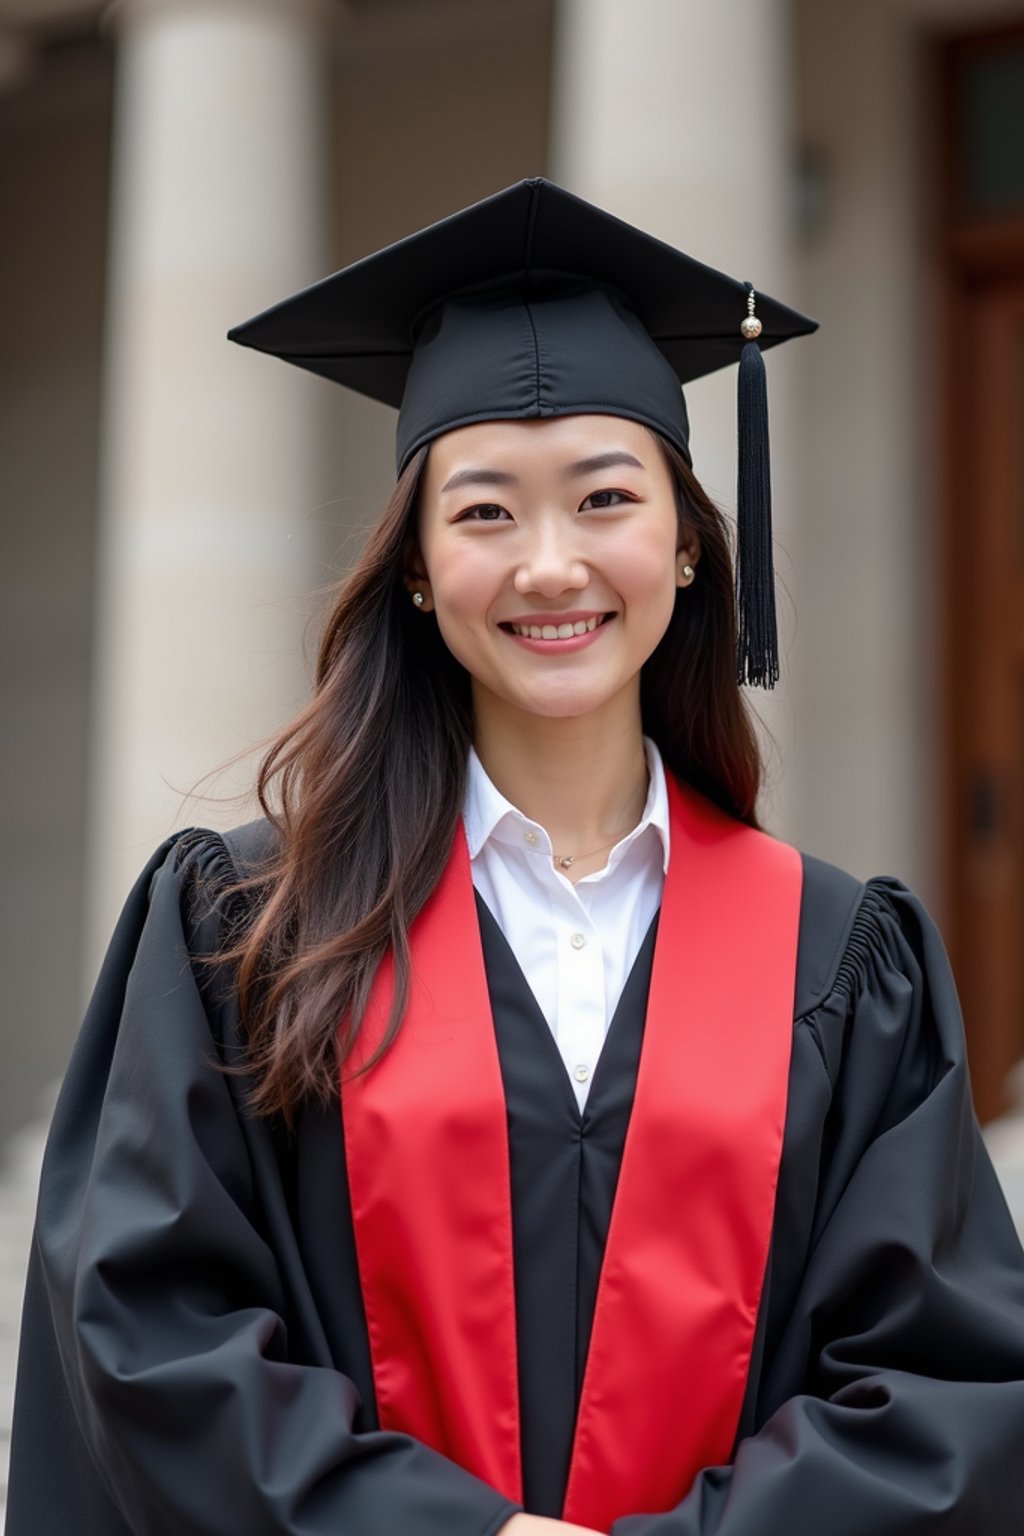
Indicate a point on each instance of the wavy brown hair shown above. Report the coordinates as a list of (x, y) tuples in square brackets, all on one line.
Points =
[(365, 786)]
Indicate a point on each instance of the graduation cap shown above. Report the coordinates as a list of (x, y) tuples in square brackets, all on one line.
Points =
[(535, 303)]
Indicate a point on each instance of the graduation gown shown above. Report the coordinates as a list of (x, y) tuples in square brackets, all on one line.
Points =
[(194, 1352)]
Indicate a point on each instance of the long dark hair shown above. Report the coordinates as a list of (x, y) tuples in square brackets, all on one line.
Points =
[(365, 786)]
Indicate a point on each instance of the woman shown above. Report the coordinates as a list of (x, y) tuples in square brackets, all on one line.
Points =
[(655, 1204)]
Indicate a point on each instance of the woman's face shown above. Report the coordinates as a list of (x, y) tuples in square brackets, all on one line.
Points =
[(549, 550)]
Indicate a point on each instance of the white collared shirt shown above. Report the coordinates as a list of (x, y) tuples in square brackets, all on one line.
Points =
[(575, 944)]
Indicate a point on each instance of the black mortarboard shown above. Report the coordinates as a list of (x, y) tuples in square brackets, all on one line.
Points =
[(536, 303)]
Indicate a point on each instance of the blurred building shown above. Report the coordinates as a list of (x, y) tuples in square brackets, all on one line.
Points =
[(171, 504)]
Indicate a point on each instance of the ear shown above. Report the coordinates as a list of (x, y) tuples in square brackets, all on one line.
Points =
[(415, 579), (687, 557)]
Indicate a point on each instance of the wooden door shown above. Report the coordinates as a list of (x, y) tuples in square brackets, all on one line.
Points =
[(981, 456), (985, 562)]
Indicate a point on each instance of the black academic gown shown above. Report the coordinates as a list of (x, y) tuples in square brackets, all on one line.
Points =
[(194, 1358)]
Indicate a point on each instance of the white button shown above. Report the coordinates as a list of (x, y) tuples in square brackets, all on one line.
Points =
[(531, 837), (581, 1073), (577, 941)]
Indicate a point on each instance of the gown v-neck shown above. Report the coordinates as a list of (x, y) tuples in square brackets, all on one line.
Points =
[(564, 1167)]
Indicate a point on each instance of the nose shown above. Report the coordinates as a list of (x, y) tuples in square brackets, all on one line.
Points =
[(551, 563)]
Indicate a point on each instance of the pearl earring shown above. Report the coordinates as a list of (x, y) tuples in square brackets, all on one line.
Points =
[(417, 598), (687, 574)]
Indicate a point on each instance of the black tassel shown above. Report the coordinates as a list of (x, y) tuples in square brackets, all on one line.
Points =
[(757, 657)]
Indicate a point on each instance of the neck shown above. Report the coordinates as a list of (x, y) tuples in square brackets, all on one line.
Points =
[(584, 779)]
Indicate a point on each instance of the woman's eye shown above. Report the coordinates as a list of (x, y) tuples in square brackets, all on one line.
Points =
[(484, 512), (605, 498)]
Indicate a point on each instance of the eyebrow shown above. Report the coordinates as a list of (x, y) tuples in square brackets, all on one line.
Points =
[(479, 476)]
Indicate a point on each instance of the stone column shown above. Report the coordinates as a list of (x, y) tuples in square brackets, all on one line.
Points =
[(673, 114), (209, 485)]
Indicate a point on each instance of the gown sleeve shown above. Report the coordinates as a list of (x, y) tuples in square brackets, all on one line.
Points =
[(159, 1393), (904, 1407)]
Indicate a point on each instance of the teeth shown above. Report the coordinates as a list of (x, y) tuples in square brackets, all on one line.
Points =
[(556, 631)]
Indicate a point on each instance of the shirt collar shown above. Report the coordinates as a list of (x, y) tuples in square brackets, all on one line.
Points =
[(487, 814)]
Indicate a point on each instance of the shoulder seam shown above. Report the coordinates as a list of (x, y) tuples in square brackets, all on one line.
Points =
[(216, 881), (843, 969), (838, 954), (864, 921)]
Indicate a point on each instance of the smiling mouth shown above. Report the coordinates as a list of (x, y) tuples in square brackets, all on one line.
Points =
[(556, 631)]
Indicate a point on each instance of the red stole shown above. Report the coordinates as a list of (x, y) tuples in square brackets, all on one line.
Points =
[(428, 1171)]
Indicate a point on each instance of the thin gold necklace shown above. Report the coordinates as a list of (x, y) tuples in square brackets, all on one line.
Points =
[(567, 860)]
